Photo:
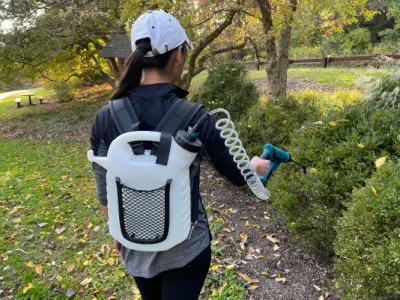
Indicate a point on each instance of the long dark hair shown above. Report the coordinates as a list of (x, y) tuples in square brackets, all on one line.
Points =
[(134, 65)]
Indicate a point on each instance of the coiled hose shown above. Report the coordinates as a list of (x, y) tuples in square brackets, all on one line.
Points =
[(240, 157)]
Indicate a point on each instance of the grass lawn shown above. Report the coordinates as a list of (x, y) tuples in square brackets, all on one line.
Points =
[(54, 238), (341, 77)]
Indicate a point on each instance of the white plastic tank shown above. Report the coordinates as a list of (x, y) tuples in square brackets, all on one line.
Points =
[(141, 173)]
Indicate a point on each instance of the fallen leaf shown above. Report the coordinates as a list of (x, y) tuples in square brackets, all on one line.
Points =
[(111, 297), (70, 292), (70, 268), (284, 122), (244, 276), (59, 230), (48, 251), (214, 267), (373, 191), (86, 281), (27, 287), (135, 290), (39, 269), (276, 247), (313, 170), (230, 267), (317, 123), (58, 277), (41, 225), (272, 239), (267, 218), (321, 298), (221, 289), (97, 228), (260, 256), (110, 261), (264, 274), (30, 264), (317, 287), (122, 274), (243, 236), (332, 123), (244, 218), (281, 279), (214, 293), (380, 161), (227, 230), (242, 246), (252, 287), (95, 292)]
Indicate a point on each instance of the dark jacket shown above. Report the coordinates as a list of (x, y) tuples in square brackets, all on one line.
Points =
[(151, 103)]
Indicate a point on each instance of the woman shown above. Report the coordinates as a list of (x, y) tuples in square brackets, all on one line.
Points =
[(159, 51)]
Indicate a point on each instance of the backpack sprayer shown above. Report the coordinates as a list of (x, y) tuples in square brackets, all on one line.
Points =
[(150, 203), (234, 144)]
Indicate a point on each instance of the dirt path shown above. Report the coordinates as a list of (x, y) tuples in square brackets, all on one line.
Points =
[(284, 270), (296, 84)]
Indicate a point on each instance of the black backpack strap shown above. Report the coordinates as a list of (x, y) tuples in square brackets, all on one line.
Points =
[(123, 114), (126, 120), (178, 116)]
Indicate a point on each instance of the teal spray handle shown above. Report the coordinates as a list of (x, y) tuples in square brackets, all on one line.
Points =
[(276, 156)]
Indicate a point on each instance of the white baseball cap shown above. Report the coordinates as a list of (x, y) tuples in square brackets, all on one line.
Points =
[(164, 31)]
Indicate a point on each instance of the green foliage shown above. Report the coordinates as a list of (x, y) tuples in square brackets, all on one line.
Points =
[(226, 286), (368, 247), (273, 122), (228, 86), (340, 151), (383, 91), (64, 91)]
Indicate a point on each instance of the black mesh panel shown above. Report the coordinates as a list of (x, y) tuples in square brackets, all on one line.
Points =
[(144, 214)]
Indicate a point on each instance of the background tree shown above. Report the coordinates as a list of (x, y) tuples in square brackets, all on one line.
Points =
[(56, 38), (279, 17)]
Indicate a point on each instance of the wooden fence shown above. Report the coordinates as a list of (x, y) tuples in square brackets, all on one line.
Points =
[(325, 61), (329, 59)]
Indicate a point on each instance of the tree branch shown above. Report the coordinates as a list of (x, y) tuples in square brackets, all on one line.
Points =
[(203, 44), (203, 59)]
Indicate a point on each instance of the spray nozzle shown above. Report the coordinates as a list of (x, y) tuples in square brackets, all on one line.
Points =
[(193, 132)]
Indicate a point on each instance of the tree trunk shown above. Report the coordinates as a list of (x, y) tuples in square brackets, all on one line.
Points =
[(277, 61)]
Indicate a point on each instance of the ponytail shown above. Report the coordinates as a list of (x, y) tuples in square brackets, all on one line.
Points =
[(136, 62), (132, 70)]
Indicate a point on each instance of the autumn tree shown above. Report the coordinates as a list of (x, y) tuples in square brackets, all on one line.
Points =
[(280, 17), (56, 40)]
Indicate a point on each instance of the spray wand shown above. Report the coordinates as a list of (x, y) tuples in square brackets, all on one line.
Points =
[(234, 144)]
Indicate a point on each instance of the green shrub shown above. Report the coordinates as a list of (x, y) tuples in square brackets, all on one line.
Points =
[(273, 122), (64, 91), (368, 243), (340, 155), (228, 86), (382, 92)]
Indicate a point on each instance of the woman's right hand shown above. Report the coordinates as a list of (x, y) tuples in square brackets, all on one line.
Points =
[(260, 165), (117, 246)]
